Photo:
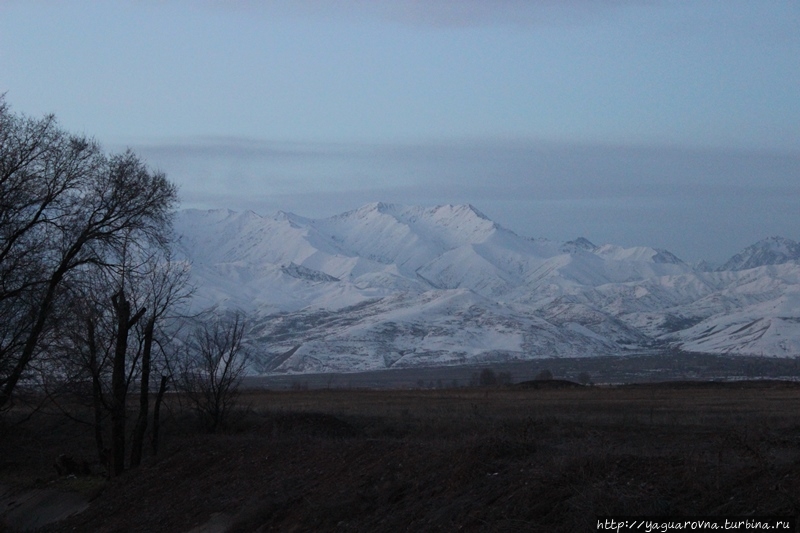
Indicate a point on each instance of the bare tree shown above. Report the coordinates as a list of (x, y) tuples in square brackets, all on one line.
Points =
[(119, 385), (101, 344), (65, 207), (164, 287), (76, 367), (212, 368)]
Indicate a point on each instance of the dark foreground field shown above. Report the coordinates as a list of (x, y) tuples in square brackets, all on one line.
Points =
[(500, 459)]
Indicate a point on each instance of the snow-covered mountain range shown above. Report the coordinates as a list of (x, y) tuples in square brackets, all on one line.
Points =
[(388, 286)]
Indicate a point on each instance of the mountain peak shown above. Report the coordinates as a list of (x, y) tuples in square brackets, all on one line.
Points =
[(665, 256), (391, 208), (291, 218), (455, 215), (367, 210), (380, 207), (581, 243), (773, 250), (471, 208)]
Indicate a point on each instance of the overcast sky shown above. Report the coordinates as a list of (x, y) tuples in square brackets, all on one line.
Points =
[(673, 124)]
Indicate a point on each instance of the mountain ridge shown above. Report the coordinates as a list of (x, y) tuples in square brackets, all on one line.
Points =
[(769, 251), (387, 284)]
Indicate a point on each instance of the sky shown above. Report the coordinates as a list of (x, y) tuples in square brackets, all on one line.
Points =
[(673, 124)]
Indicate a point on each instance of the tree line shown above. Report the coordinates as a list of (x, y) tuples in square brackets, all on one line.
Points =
[(92, 302)]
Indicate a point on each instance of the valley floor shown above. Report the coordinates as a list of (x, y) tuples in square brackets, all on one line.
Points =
[(637, 367), (476, 459)]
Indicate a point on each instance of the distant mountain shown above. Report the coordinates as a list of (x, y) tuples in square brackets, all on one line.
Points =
[(581, 243), (388, 286), (770, 251)]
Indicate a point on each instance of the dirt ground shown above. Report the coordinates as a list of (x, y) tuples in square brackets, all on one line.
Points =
[(495, 459)]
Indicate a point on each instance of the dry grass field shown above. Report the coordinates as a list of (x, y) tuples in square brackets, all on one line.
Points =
[(472, 459)]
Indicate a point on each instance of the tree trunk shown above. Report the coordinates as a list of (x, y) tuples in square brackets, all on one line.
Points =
[(157, 413), (29, 349), (97, 394), (144, 400), (119, 384)]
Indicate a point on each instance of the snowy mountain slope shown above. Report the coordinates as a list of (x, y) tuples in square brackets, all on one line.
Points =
[(769, 251), (435, 327), (765, 328), (388, 285)]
